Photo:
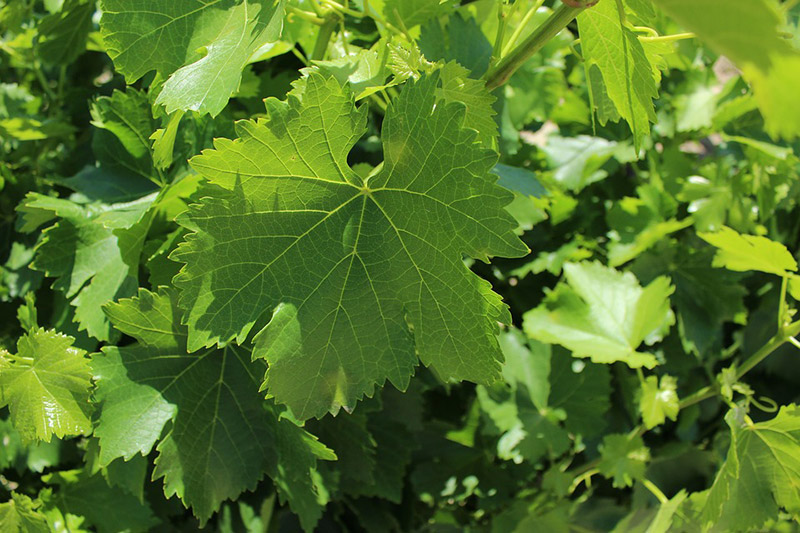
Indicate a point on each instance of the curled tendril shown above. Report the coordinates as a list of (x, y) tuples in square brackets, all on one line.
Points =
[(768, 406)]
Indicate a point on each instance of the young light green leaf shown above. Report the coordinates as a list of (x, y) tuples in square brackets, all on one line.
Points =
[(749, 252), (222, 438), (613, 51), (768, 61), (46, 386), (623, 458), (603, 314), (387, 284), (200, 47), (760, 474), (23, 515), (658, 402)]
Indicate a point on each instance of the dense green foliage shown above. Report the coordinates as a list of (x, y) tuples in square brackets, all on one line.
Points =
[(399, 265)]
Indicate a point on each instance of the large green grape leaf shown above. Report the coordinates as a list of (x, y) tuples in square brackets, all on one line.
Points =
[(199, 47), (747, 32), (222, 437), (613, 52), (603, 314), (761, 473), (46, 386), (364, 275)]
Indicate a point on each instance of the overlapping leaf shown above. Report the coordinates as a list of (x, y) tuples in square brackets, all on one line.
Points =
[(93, 251), (199, 47), (613, 54), (221, 437), (760, 474), (22, 514), (364, 275), (603, 314)]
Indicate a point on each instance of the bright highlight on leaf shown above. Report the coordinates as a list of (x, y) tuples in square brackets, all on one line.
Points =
[(749, 252), (46, 385), (658, 402), (363, 276), (603, 314)]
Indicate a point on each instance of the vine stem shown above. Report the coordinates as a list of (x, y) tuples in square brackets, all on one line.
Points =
[(778, 340), (667, 38), (324, 36), (501, 72)]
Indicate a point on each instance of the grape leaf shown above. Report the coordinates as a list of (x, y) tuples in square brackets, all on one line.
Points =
[(93, 498), (603, 314), (62, 35), (527, 366), (387, 283), (613, 51), (93, 251), (46, 386), (23, 515), (749, 252), (222, 438), (747, 32), (124, 123), (658, 402), (457, 86), (582, 390), (623, 458), (409, 13), (705, 297), (761, 473), (200, 47)]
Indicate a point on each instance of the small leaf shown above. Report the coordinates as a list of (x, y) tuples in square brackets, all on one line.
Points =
[(657, 403), (623, 458), (23, 515), (603, 314), (220, 437), (613, 51), (46, 386), (749, 252)]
